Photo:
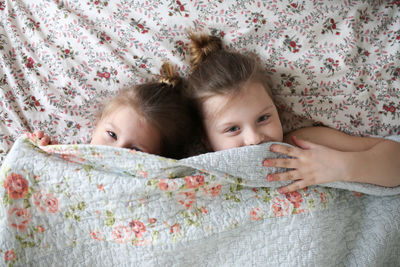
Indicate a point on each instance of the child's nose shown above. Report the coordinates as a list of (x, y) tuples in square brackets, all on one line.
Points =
[(253, 138), (122, 144), (119, 145)]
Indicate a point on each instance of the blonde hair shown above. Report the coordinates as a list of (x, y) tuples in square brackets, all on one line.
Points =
[(164, 105), (216, 71)]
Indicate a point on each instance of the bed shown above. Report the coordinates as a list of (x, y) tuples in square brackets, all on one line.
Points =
[(332, 63)]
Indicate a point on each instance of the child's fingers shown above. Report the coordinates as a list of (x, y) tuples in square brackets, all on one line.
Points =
[(45, 140), (280, 163), (297, 185), (285, 150), (53, 142), (283, 176), (39, 134)]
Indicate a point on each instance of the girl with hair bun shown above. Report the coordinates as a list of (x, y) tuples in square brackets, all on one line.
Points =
[(153, 117), (236, 107)]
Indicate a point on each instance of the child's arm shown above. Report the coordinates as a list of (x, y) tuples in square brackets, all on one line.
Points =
[(325, 155)]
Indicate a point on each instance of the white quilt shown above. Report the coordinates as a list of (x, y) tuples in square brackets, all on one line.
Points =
[(83, 205)]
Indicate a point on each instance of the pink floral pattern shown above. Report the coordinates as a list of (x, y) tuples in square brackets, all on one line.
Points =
[(281, 207), (105, 197), (332, 63), (10, 256), (16, 186), (256, 214), (174, 229), (138, 228), (46, 202), (194, 181), (167, 184), (96, 235), (121, 234), (19, 217), (295, 198), (213, 190), (187, 199)]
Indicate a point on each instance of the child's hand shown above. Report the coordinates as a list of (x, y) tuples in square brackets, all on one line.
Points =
[(312, 164), (44, 139)]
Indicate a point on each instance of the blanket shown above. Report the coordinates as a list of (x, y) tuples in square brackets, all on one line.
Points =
[(85, 205)]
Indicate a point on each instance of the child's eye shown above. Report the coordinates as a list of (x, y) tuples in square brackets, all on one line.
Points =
[(233, 129), (262, 118), (112, 135)]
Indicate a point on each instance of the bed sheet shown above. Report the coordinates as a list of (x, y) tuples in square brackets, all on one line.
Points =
[(334, 63)]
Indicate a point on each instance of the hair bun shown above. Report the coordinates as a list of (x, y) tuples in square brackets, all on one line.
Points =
[(168, 76), (202, 46)]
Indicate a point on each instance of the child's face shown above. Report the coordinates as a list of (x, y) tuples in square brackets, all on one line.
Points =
[(124, 127), (248, 118)]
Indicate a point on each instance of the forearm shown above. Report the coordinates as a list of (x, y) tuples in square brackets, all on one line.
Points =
[(378, 165), (333, 139)]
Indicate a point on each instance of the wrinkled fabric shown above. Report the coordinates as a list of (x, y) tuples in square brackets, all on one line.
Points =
[(84, 205)]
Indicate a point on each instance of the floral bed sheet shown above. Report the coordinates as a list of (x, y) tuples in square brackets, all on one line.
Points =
[(83, 205)]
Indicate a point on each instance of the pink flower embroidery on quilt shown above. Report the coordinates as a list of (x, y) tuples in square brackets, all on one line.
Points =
[(187, 199), (280, 207), (194, 181), (212, 190), (121, 234), (96, 235), (138, 228), (19, 217), (256, 214), (167, 184), (295, 198), (174, 229), (46, 202), (10, 255), (16, 186)]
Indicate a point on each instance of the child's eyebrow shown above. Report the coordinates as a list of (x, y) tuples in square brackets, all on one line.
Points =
[(113, 126), (230, 123), (267, 108)]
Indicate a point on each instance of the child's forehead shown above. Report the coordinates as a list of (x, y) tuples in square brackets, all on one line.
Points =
[(223, 104), (122, 111), (216, 105), (252, 86)]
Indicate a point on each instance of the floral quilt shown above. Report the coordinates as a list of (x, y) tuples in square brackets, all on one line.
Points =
[(84, 205)]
